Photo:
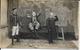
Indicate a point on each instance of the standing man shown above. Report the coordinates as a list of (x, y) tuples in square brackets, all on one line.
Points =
[(51, 27), (15, 25)]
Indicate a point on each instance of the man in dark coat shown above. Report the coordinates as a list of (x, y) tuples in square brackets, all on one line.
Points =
[(15, 25), (52, 35)]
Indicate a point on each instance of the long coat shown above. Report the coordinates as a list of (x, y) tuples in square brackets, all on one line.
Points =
[(52, 35)]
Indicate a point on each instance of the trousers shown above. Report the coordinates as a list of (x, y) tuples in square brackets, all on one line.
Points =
[(15, 30)]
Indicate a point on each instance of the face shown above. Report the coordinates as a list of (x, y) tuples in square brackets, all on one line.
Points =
[(33, 13), (14, 11), (51, 14)]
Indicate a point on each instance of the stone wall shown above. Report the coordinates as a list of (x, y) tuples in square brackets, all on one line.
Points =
[(4, 40), (73, 6), (65, 10)]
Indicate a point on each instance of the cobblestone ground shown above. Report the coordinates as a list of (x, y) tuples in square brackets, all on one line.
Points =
[(31, 43)]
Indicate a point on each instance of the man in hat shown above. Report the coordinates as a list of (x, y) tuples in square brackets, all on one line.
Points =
[(51, 27), (15, 25)]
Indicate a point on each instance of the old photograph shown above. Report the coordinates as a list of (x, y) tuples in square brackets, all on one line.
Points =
[(39, 24)]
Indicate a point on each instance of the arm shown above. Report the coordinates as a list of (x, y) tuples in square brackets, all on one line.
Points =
[(38, 15), (56, 18)]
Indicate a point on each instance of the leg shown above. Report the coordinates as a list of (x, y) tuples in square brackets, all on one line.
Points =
[(17, 34), (13, 31), (12, 40), (36, 29), (18, 39), (50, 39), (31, 26), (62, 33), (37, 26), (13, 34)]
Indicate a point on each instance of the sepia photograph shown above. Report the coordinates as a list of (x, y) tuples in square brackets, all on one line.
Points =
[(39, 24)]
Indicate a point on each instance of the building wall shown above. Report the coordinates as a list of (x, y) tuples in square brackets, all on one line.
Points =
[(0, 11), (4, 40), (0, 17), (69, 14), (73, 6)]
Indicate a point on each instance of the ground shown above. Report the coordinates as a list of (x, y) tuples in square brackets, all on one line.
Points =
[(42, 44)]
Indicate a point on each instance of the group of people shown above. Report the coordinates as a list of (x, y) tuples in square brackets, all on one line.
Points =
[(34, 24)]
